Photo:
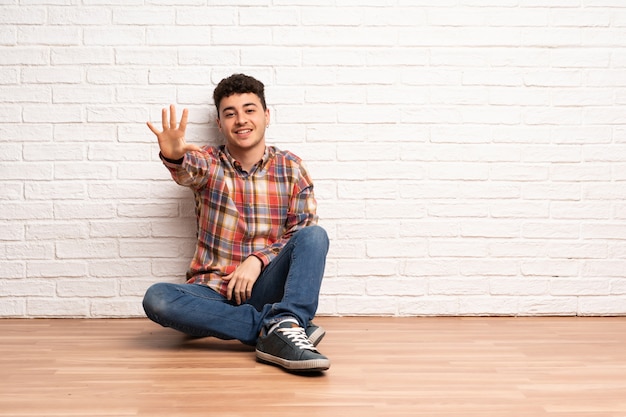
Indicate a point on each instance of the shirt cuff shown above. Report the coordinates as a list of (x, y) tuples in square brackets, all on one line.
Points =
[(172, 161)]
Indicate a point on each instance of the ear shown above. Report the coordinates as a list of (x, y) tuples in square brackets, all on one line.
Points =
[(219, 124), (267, 116)]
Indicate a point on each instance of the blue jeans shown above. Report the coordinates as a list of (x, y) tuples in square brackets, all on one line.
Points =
[(288, 286)]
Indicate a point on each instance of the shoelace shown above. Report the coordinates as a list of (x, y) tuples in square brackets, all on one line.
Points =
[(298, 337)]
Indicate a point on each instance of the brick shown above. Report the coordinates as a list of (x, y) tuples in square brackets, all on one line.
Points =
[(56, 269), (183, 35), (367, 267), (9, 76), (458, 286), (83, 171), (119, 190), (115, 76), (91, 55), (402, 286), (48, 35), (12, 307), (53, 152), (23, 15), (74, 94), (119, 268), (87, 249), (131, 229), (26, 210), (365, 230), (426, 228), (172, 269), (518, 286), (144, 56), (602, 306), (578, 250), (12, 269), (548, 306), (66, 190), (347, 249), (551, 191), (467, 248), (453, 210), (603, 231), (10, 114), (604, 268), (145, 16), (27, 94), (488, 306), (27, 288), (429, 306), (57, 307), (151, 210), (57, 230), (86, 288), (343, 286), (11, 152), (83, 210), (119, 307), (579, 287), (553, 268), (395, 248), (121, 36), (335, 36), (547, 230), (12, 191), (524, 249), (134, 287), (79, 16), (489, 267), (155, 248), (84, 132), (59, 113), (376, 306)]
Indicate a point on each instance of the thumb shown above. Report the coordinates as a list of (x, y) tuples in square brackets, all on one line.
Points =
[(230, 270), (192, 147)]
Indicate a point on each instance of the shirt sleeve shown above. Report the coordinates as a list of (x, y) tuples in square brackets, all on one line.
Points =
[(302, 212), (192, 170)]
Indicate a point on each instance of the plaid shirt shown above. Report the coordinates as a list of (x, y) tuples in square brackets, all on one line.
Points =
[(241, 214)]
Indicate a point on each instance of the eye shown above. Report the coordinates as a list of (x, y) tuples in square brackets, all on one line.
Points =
[(229, 114)]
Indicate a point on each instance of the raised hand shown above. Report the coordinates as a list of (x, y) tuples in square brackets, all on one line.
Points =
[(172, 138)]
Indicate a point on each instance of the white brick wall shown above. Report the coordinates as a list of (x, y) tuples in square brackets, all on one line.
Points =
[(469, 155)]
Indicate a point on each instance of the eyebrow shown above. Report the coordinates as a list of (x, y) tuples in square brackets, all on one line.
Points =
[(233, 107)]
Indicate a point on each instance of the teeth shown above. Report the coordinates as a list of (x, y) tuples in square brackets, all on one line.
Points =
[(244, 131)]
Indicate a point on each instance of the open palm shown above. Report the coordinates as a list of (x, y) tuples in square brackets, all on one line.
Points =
[(172, 138)]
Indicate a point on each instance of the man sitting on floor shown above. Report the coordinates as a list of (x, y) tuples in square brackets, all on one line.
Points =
[(260, 255)]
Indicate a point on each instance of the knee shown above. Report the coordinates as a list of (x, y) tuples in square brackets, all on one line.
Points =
[(316, 236), (154, 300)]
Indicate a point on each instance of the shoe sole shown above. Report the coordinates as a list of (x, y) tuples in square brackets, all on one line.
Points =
[(316, 337), (310, 365)]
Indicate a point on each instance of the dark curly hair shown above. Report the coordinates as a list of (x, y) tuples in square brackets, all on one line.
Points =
[(238, 84)]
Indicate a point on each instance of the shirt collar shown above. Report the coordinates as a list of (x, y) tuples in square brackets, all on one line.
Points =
[(267, 155)]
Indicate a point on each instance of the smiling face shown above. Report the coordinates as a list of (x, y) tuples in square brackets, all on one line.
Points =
[(242, 120)]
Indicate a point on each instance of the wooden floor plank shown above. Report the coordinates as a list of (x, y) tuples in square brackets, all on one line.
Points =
[(381, 366)]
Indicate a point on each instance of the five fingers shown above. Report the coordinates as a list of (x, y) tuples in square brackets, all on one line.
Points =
[(171, 123)]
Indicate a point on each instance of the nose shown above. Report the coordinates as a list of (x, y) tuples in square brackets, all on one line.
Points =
[(240, 119)]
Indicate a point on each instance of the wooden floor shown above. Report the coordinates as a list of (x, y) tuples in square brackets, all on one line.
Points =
[(461, 367)]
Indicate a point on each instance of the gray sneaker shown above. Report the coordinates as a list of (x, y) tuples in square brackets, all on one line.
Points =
[(289, 347), (315, 333)]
